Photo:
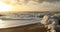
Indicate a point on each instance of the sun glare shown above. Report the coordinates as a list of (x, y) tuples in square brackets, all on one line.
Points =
[(4, 7)]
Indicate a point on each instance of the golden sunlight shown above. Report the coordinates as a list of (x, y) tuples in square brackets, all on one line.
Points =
[(4, 7), (12, 6)]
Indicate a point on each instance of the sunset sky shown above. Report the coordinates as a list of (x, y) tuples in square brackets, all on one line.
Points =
[(12, 5)]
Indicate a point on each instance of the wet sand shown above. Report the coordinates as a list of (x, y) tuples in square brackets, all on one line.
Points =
[(28, 28)]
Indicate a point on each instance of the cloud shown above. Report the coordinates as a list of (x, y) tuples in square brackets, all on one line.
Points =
[(48, 0), (52, 0)]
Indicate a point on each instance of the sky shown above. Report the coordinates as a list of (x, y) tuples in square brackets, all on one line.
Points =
[(42, 5)]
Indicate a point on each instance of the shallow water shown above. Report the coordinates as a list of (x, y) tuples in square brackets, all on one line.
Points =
[(14, 23)]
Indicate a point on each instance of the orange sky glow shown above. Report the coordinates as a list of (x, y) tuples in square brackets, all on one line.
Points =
[(31, 6)]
